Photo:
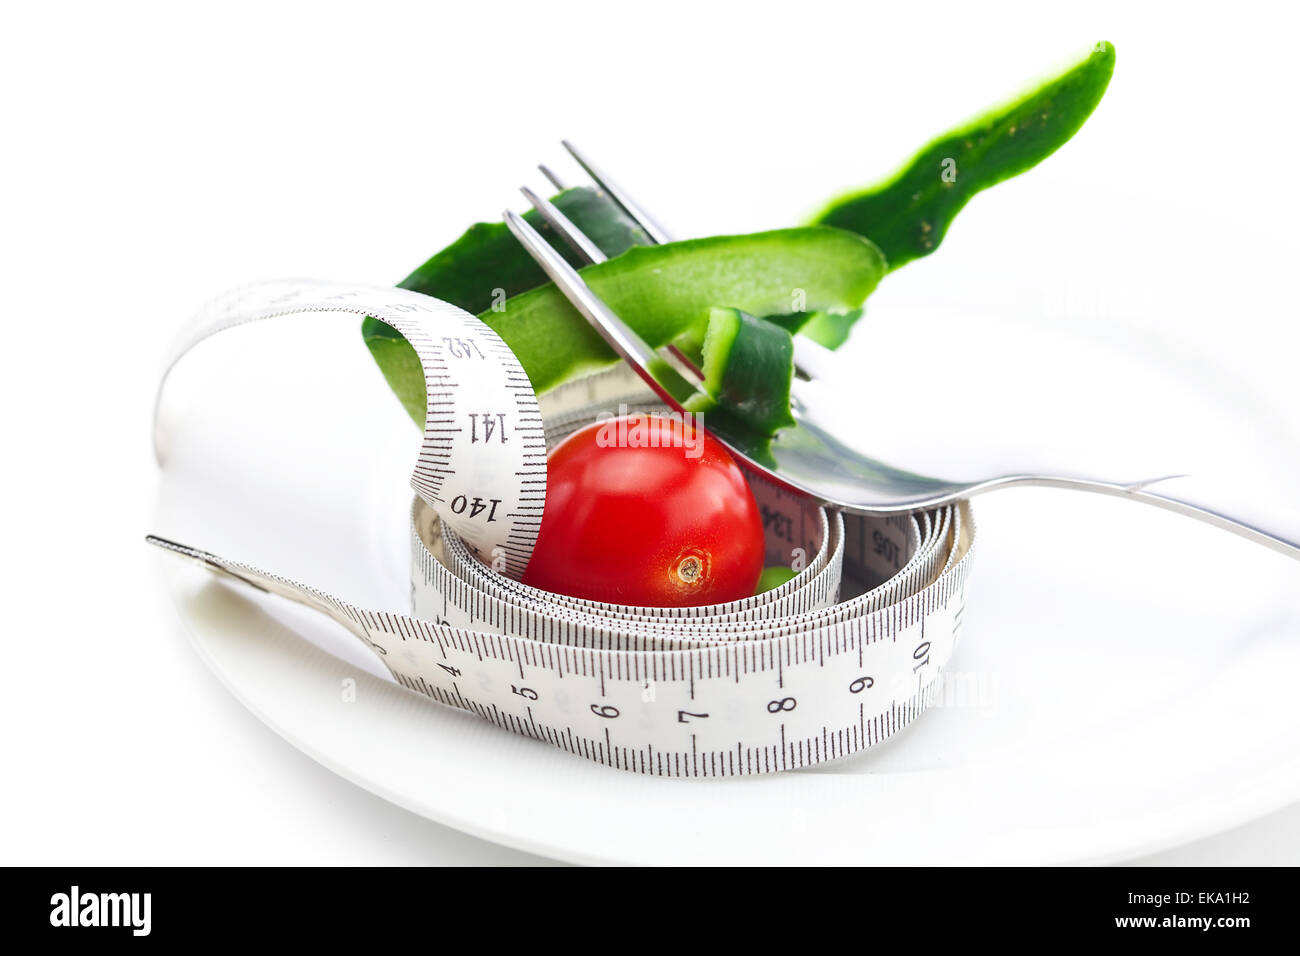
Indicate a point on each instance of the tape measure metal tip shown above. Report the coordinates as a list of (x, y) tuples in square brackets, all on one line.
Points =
[(204, 559)]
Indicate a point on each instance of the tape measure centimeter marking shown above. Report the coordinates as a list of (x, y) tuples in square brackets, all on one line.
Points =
[(738, 707), (783, 680)]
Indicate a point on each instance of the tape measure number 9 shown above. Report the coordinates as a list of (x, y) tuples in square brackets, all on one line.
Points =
[(840, 657)]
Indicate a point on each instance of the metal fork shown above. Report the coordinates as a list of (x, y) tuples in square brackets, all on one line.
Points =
[(811, 359), (815, 457)]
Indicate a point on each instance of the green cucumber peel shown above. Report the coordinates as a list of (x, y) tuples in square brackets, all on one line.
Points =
[(908, 215), (774, 577), (663, 292), (666, 291), (487, 265), (830, 329), (748, 365)]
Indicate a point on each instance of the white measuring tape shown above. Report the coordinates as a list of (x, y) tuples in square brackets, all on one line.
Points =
[(835, 660)]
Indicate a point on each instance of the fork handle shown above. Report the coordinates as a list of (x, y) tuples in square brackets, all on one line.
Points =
[(1263, 520)]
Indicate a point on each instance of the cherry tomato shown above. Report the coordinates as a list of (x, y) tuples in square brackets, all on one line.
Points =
[(627, 522)]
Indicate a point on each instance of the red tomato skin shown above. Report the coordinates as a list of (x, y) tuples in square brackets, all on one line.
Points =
[(647, 526)]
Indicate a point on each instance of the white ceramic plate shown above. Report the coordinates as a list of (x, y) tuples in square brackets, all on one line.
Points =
[(1120, 681)]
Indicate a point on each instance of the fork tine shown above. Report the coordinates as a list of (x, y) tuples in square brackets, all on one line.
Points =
[(588, 250), (553, 179), (663, 379), (579, 241), (807, 365), (653, 229), (562, 224), (813, 359)]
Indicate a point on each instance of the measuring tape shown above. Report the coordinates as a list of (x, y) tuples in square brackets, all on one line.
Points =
[(840, 657)]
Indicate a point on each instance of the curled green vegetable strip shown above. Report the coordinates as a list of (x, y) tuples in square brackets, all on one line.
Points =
[(663, 292), (483, 268), (908, 215), (748, 366), (773, 577)]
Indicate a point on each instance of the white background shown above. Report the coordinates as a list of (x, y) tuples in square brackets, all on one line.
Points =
[(156, 154)]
